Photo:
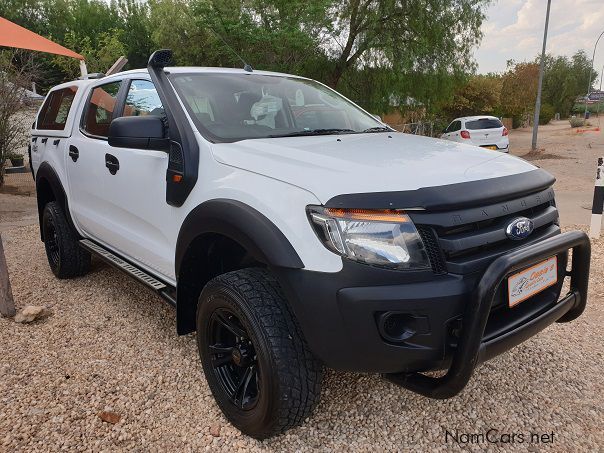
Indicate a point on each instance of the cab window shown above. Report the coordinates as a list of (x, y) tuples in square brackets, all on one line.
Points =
[(100, 109), (142, 100), (54, 112)]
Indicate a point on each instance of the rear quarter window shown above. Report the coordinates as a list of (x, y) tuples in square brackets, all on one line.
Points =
[(53, 114), (483, 123)]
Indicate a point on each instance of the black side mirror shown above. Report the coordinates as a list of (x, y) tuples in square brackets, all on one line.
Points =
[(139, 132)]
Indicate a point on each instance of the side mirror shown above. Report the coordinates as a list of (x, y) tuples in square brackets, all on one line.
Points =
[(377, 117), (138, 132)]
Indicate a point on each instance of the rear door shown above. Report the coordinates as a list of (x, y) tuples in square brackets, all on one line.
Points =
[(484, 131), (453, 131), (51, 129), (85, 160)]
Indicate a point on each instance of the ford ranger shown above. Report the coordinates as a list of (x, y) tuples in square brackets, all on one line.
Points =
[(292, 231)]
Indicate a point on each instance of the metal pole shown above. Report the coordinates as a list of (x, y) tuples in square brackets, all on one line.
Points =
[(541, 69), (590, 71)]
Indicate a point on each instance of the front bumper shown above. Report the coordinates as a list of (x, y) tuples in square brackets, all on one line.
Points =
[(444, 321)]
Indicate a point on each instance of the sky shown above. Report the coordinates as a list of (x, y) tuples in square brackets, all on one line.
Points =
[(514, 30)]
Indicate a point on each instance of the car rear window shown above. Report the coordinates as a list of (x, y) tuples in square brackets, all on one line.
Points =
[(483, 123), (54, 112)]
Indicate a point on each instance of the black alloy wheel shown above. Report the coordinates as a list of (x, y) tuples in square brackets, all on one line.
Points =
[(234, 360), (257, 364)]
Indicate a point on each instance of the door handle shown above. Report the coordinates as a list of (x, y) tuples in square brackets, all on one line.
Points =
[(34, 139), (44, 140), (112, 163), (56, 142), (74, 153)]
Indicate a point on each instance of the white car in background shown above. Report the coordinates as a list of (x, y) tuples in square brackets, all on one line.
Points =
[(484, 131)]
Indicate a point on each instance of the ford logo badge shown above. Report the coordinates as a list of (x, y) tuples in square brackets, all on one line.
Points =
[(519, 228)]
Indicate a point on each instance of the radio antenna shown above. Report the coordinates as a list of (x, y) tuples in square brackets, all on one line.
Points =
[(246, 67)]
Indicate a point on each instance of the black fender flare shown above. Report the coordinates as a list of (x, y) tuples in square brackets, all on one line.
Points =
[(47, 173), (241, 223)]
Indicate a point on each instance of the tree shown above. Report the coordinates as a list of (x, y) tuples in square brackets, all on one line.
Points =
[(99, 57), (565, 79), (479, 96), (373, 51), (519, 89), (14, 78)]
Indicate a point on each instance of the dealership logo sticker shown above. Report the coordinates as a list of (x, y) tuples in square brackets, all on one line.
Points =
[(519, 228), (531, 281)]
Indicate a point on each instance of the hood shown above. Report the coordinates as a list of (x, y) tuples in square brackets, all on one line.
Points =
[(332, 165)]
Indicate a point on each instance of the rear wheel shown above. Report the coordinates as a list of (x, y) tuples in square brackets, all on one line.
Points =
[(65, 256), (258, 366)]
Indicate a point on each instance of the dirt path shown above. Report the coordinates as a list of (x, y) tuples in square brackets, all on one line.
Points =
[(571, 157)]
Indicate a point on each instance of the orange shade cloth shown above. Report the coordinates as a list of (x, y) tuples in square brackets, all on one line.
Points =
[(13, 35)]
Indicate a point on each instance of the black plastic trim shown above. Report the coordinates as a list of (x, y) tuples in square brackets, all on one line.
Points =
[(45, 171), (242, 223), (181, 133), (450, 196)]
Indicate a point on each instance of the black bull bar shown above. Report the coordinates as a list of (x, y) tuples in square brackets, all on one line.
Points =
[(471, 349)]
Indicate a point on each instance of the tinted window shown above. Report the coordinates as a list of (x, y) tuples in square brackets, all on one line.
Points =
[(454, 126), (235, 106), (483, 123), (142, 100), (55, 110), (101, 106)]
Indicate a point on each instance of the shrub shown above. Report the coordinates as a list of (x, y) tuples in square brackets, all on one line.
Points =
[(576, 122), (546, 114)]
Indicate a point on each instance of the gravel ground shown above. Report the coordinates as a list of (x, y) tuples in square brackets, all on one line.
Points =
[(109, 345)]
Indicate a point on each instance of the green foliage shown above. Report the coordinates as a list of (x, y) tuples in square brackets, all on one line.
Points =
[(99, 57), (479, 96), (519, 89), (546, 114), (576, 122), (565, 79), (377, 52)]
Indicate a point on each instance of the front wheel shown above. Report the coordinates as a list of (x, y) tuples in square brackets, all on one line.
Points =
[(259, 368)]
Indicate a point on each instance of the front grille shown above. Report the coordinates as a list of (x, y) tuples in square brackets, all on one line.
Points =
[(435, 254), (468, 240)]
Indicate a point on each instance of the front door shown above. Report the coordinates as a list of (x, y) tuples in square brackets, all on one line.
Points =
[(128, 186)]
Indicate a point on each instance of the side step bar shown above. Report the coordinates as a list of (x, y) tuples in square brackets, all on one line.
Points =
[(165, 291)]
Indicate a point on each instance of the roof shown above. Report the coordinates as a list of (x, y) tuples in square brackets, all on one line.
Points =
[(209, 70), (13, 35), (174, 70), (476, 117)]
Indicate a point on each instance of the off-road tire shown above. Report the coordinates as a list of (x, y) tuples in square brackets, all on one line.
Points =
[(65, 256), (289, 377)]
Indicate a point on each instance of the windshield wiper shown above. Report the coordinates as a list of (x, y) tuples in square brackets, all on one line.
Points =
[(314, 132), (378, 129)]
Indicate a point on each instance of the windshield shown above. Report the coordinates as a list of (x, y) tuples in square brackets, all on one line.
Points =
[(231, 107), (483, 123)]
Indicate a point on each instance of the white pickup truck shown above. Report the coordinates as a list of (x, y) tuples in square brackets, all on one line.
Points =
[(292, 231)]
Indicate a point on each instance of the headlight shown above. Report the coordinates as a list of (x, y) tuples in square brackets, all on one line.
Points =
[(385, 238)]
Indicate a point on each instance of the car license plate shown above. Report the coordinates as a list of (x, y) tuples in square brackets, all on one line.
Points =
[(494, 148), (531, 281)]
